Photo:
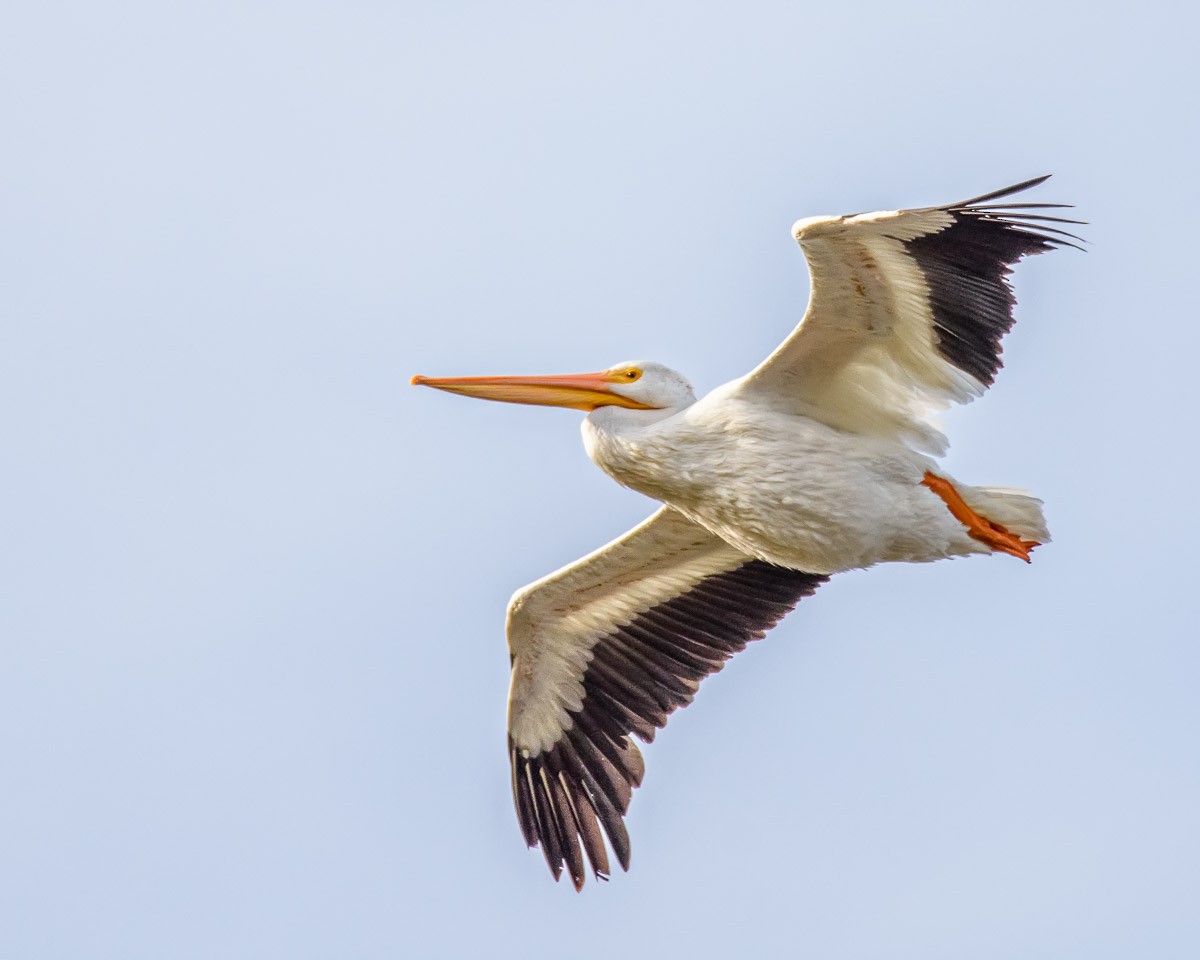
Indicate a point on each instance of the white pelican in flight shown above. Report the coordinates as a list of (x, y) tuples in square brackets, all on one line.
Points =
[(817, 461)]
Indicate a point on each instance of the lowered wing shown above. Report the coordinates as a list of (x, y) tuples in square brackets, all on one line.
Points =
[(607, 648)]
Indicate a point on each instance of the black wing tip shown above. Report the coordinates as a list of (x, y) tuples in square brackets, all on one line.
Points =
[(967, 264), (1016, 218), (1032, 230), (1023, 206), (1002, 192), (557, 813)]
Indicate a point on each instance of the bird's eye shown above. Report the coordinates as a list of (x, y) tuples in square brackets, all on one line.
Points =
[(632, 374)]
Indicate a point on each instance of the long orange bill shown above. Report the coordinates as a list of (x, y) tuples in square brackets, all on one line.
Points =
[(580, 391)]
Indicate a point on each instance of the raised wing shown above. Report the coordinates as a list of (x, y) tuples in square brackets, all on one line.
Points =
[(609, 647), (906, 314)]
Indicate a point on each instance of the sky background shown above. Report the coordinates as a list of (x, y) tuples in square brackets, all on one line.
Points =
[(252, 584)]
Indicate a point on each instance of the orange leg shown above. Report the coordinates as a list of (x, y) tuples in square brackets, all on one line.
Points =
[(981, 528)]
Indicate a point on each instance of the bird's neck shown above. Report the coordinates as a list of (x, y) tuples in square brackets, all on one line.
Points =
[(619, 441), (621, 421)]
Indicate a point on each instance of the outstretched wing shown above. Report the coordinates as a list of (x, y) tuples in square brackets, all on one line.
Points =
[(906, 314), (609, 647)]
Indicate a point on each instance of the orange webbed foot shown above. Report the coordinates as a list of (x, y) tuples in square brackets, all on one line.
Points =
[(980, 528)]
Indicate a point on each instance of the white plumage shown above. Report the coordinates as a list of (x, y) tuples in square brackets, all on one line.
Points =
[(818, 461)]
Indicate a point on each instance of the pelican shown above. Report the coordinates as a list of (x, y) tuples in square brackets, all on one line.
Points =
[(822, 459)]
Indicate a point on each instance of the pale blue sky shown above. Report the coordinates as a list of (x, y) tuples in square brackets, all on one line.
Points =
[(252, 584)]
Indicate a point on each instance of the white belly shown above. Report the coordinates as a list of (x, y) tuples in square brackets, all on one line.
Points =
[(784, 488)]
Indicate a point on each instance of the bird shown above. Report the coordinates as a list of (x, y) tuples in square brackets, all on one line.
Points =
[(821, 460)]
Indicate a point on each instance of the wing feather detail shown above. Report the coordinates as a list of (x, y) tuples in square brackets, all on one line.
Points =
[(907, 313), (605, 650)]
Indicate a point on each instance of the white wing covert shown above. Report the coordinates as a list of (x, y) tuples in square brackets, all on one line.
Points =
[(906, 314), (608, 647)]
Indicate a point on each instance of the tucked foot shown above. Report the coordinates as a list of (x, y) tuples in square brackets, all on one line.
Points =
[(980, 528)]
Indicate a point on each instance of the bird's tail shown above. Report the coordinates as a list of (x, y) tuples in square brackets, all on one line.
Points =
[(1016, 510)]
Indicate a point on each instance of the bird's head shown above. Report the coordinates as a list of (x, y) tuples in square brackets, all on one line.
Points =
[(639, 386)]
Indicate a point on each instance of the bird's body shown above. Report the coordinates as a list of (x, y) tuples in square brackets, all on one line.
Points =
[(820, 460), (780, 486)]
